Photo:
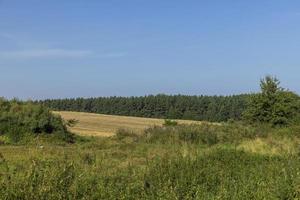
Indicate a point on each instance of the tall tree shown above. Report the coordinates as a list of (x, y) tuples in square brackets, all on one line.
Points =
[(274, 105)]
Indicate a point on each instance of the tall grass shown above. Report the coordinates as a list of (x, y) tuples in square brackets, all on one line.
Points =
[(208, 134), (178, 162)]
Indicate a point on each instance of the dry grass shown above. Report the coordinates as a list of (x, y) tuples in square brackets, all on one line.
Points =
[(271, 146), (106, 125)]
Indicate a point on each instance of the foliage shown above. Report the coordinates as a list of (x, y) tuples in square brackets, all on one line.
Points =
[(154, 167), (19, 120), (273, 105), (169, 122), (223, 174), (205, 134), (205, 108)]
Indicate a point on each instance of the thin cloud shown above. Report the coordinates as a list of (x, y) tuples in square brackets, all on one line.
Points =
[(45, 53), (38, 50)]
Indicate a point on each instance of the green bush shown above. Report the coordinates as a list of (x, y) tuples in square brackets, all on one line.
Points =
[(169, 122), (18, 119)]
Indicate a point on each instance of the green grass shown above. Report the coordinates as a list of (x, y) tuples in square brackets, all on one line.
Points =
[(182, 162)]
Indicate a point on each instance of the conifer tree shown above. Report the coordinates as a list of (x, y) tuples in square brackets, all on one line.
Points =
[(273, 105)]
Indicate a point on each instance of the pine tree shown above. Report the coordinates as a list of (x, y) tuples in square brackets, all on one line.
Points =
[(274, 105)]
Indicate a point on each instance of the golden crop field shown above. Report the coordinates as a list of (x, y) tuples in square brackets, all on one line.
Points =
[(106, 125)]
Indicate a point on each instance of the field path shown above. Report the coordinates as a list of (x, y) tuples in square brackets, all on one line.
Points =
[(106, 125)]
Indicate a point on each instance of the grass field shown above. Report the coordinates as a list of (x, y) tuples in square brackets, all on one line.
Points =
[(145, 160), (204, 161), (90, 124)]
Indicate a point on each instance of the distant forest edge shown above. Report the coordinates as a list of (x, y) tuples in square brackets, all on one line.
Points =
[(204, 108)]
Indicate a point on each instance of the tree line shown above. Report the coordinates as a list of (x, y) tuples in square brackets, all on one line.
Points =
[(207, 108), (272, 105)]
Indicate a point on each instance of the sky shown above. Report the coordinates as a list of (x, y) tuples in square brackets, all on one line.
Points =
[(80, 48)]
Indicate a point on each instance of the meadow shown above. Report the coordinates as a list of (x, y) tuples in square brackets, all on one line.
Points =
[(195, 161)]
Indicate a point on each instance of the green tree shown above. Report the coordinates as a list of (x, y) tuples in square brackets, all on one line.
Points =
[(274, 105), (18, 119)]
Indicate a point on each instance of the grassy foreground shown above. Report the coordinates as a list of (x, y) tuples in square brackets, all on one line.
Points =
[(205, 161)]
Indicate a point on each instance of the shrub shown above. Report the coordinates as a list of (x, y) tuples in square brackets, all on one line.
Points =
[(18, 119), (169, 122)]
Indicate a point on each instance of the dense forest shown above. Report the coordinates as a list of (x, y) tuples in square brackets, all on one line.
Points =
[(208, 108)]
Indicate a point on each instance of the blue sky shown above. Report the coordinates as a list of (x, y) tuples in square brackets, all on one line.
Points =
[(80, 48)]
